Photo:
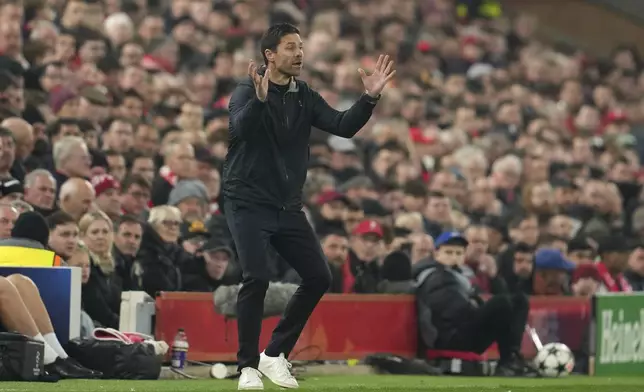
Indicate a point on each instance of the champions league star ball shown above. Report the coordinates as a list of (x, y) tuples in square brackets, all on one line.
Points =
[(554, 360)]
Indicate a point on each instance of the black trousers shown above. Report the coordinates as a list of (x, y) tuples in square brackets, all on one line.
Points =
[(254, 228), (501, 319)]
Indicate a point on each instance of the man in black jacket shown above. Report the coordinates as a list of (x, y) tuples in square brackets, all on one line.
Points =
[(453, 317), (271, 116)]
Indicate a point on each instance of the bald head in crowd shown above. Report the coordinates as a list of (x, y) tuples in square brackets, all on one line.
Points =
[(76, 197), (23, 133)]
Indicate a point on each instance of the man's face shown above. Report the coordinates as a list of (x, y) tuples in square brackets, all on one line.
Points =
[(128, 238), (151, 27), (74, 13), (616, 261), (334, 210), (478, 243), (131, 54), (79, 203), (132, 108), (92, 51), (192, 209), (121, 136), (191, 117), (7, 152), (550, 281), (522, 265), (146, 140), (565, 197), (53, 76), (527, 232), (336, 248), (288, 56), (109, 202), (63, 239), (438, 209), (352, 218), (367, 247), (144, 167), (636, 261), (561, 226), (116, 166), (450, 255), (182, 161), (79, 162), (135, 200), (216, 263), (42, 193), (413, 203), (10, 38), (8, 216)]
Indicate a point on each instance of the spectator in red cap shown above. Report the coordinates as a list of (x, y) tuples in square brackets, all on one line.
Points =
[(361, 270), (106, 188)]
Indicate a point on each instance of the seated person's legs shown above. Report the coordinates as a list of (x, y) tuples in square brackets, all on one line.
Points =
[(31, 298), (502, 320), (22, 310)]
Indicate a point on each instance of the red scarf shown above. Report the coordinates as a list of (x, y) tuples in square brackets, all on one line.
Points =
[(348, 280), (167, 174), (611, 283)]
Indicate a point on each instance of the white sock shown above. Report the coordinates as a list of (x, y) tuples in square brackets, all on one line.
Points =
[(52, 340), (50, 354)]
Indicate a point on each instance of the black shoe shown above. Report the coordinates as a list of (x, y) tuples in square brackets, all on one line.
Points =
[(65, 369), (77, 364), (517, 367)]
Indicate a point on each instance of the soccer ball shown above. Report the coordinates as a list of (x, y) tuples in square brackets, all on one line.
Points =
[(555, 360)]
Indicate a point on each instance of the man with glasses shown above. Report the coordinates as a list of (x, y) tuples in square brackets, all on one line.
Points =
[(135, 195)]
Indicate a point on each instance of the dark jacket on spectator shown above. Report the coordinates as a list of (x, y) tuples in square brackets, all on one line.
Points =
[(102, 297), (445, 299), (156, 267), (636, 281), (360, 276), (161, 189), (513, 283), (123, 265)]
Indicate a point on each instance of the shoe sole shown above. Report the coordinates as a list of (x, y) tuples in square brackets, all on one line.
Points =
[(251, 389), (280, 384)]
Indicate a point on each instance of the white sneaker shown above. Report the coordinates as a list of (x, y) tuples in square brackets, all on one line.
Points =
[(250, 380), (277, 369)]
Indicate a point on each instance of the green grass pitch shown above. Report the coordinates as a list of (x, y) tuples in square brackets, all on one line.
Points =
[(351, 383)]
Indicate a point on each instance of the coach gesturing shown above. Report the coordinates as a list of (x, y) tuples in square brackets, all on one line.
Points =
[(271, 116)]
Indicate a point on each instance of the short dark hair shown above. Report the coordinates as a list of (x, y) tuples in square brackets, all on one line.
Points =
[(59, 218), (435, 195), (134, 156), (273, 36), (127, 219), (415, 188), (6, 133), (135, 179), (54, 128)]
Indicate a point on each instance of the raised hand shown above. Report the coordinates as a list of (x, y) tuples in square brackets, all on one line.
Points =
[(382, 74), (260, 82)]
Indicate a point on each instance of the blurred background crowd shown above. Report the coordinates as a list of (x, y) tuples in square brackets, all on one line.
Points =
[(114, 126)]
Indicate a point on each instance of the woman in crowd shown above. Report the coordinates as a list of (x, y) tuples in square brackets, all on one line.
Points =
[(102, 292)]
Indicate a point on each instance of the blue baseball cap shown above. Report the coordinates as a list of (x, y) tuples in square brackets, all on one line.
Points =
[(450, 238), (552, 259)]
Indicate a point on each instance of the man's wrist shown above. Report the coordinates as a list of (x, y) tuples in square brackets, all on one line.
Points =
[(372, 98)]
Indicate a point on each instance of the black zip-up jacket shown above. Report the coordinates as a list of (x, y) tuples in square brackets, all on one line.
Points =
[(268, 153)]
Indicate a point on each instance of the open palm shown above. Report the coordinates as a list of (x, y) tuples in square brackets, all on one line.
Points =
[(381, 75)]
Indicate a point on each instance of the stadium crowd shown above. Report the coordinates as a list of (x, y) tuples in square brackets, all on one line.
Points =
[(114, 126)]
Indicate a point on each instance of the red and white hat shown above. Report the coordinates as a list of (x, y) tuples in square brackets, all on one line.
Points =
[(103, 182)]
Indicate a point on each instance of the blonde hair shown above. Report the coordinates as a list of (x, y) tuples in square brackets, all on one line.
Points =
[(104, 262), (160, 213), (412, 221), (91, 217)]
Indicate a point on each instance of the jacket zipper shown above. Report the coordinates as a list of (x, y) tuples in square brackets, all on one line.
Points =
[(287, 130)]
